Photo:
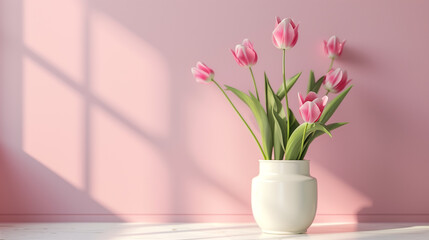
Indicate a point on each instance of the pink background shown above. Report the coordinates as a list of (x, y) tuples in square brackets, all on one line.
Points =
[(101, 119)]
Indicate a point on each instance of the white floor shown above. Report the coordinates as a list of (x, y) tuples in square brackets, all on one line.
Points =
[(213, 231)]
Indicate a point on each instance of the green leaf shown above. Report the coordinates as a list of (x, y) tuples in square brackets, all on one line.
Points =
[(279, 137), (269, 102), (330, 127), (277, 119), (264, 126), (317, 85), (293, 148), (316, 134), (333, 105), (311, 82), (321, 128), (293, 122), (261, 118), (289, 84)]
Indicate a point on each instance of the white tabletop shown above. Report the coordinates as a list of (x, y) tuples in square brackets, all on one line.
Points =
[(213, 231)]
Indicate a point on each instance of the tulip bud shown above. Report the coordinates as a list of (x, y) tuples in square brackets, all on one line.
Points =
[(202, 73), (244, 54), (309, 98), (311, 107), (333, 47), (336, 80), (285, 34)]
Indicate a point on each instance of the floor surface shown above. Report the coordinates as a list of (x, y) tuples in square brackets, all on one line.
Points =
[(212, 231)]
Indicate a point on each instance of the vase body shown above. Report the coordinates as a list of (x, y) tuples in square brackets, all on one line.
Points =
[(284, 196)]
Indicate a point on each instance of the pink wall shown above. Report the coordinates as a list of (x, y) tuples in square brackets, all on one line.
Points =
[(101, 119)]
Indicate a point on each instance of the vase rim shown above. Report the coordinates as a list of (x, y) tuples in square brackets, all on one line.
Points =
[(282, 161)]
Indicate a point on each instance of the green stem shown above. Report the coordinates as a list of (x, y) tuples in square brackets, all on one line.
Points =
[(286, 99), (247, 125), (327, 92), (254, 82), (302, 141), (312, 134), (332, 63)]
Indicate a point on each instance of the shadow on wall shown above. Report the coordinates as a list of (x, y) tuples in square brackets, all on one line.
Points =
[(375, 145), (29, 190), (116, 87), (40, 178), (388, 143)]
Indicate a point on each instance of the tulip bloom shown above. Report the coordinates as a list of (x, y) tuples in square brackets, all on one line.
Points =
[(285, 34), (244, 54), (202, 73), (336, 80), (333, 47), (311, 107)]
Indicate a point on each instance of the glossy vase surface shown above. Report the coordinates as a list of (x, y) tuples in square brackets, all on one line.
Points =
[(284, 196)]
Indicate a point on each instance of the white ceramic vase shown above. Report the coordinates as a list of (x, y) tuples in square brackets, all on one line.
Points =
[(284, 196)]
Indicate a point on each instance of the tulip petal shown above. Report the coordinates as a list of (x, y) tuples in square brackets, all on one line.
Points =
[(310, 96), (204, 67), (276, 44), (236, 58), (278, 35), (344, 76), (332, 45), (242, 55), (199, 80), (291, 22), (198, 73), (278, 20), (300, 99), (325, 100), (295, 36), (303, 111), (200, 76), (340, 48), (251, 56), (337, 75), (336, 80), (289, 35), (247, 43), (202, 73), (285, 34), (310, 112), (340, 87), (255, 59), (321, 102)]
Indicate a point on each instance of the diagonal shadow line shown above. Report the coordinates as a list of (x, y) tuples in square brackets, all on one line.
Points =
[(25, 188), (158, 142)]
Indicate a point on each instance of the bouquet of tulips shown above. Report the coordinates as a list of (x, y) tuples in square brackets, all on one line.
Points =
[(282, 137)]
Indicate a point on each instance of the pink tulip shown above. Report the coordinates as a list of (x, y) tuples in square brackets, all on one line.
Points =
[(333, 47), (202, 73), (336, 80), (244, 54), (311, 107), (285, 34)]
